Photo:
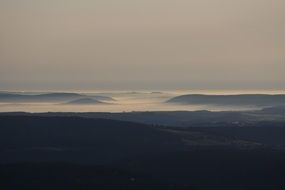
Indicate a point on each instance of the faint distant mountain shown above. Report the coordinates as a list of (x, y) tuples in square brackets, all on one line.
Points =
[(242, 99), (156, 93), (274, 110), (49, 97), (85, 101)]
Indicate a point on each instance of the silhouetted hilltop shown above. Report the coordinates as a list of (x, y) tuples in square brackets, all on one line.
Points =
[(243, 99), (107, 140)]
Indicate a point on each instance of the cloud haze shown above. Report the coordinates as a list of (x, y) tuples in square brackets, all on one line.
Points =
[(142, 44)]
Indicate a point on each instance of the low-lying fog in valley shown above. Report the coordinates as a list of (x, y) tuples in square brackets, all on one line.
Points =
[(112, 102)]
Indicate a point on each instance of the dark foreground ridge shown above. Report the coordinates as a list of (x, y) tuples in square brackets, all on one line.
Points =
[(270, 116), (84, 153)]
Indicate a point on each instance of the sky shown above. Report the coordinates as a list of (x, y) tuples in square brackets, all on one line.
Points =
[(142, 44)]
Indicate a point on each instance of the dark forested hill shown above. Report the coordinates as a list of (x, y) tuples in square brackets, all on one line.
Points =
[(49, 152), (271, 115)]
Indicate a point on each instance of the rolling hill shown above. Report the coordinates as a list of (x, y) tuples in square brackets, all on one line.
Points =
[(49, 97), (239, 100)]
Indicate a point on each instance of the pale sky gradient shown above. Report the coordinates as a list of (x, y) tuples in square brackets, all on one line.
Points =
[(142, 44)]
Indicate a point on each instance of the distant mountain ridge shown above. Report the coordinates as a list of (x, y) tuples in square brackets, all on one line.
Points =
[(48, 97), (240, 99), (85, 101)]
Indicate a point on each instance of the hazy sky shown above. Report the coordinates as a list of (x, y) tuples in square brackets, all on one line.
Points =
[(142, 44)]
